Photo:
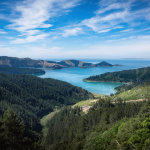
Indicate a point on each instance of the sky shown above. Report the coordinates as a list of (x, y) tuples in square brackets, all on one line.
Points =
[(75, 29)]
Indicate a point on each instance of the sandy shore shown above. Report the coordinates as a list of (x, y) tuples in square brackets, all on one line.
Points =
[(103, 81), (91, 81)]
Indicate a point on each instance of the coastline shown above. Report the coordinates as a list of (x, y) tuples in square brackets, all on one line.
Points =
[(91, 81), (100, 94), (104, 81)]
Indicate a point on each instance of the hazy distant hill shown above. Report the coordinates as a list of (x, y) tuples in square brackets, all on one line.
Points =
[(104, 64), (27, 62), (13, 71), (75, 63)]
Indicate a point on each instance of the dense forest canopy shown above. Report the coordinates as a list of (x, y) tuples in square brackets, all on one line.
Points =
[(107, 126), (134, 76), (33, 97), (13, 71), (25, 99)]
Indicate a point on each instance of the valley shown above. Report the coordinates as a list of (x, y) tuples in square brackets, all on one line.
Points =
[(64, 116)]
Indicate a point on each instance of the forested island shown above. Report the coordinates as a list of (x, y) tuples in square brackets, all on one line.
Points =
[(132, 77), (13, 71)]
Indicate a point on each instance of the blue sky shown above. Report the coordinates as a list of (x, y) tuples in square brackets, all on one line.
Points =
[(75, 29)]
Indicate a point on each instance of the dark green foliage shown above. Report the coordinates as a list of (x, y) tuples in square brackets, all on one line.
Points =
[(32, 97), (13, 71), (134, 77), (125, 87), (12, 133), (104, 127)]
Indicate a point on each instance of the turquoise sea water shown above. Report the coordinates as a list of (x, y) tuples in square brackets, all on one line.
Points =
[(76, 75)]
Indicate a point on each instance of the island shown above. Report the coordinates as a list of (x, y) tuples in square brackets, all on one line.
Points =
[(104, 64), (31, 63), (131, 78), (117, 65)]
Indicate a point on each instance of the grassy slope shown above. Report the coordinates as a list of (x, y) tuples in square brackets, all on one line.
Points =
[(139, 92), (85, 103), (46, 118)]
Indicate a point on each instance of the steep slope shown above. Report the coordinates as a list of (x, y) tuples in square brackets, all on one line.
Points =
[(27, 62), (75, 63), (135, 76), (104, 64), (106, 126), (32, 97), (138, 92)]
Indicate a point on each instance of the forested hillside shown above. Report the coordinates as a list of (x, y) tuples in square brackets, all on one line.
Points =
[(133, 76), (13, 71), (107, 126), (32, 97)]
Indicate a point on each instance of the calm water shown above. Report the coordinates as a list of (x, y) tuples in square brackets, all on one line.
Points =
[(76, 75)]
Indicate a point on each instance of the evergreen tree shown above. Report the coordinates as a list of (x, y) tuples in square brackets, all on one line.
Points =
[(11, 132)]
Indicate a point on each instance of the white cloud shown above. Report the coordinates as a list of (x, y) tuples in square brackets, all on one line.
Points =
[(123, 5), (103, 31), (30, 39), (121, 13), (33, 52), (7, 51), (122, 39), (55, 37), (73, 32), (127, 30), (35, 14), (10, 38), (116, 16), (41, 52), (131, 47), (144, 36), (2, 31), (111, 21)]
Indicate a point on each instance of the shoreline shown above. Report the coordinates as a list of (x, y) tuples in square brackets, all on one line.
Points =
[(100, 94), (91, 81), (104, 81)]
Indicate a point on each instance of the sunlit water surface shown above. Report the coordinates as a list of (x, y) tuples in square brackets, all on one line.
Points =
[(76, 75)]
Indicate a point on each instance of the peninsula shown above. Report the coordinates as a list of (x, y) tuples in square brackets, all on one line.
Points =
[(27, 62)]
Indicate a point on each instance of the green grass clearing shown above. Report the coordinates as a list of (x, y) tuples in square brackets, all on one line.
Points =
[(139, 92)]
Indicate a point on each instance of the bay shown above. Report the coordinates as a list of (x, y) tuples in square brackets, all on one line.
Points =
[(75, 75)]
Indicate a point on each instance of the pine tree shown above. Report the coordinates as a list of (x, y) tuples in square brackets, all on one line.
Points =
[(11, 131)]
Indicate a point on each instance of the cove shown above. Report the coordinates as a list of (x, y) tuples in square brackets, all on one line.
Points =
[(76, 75)]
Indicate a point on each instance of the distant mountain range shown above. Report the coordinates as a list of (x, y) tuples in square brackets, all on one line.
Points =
[(137, 58), (27, 62)]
